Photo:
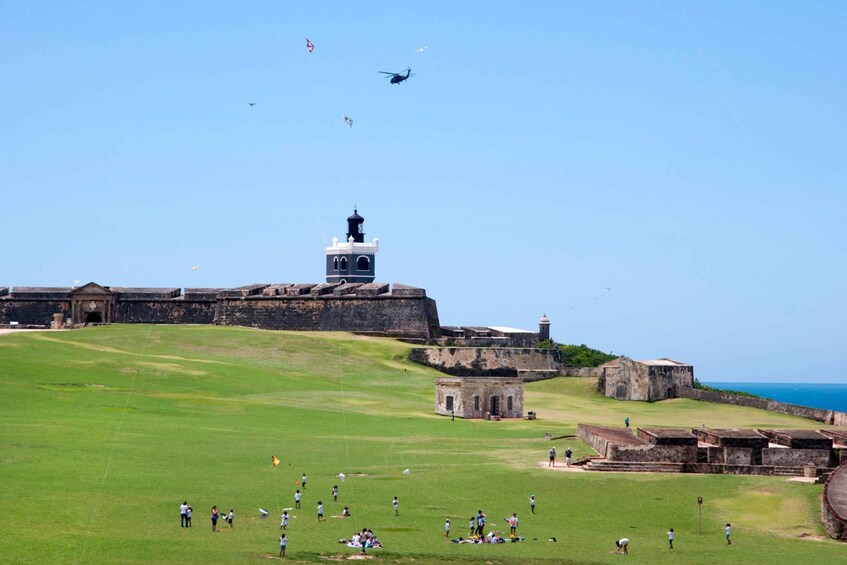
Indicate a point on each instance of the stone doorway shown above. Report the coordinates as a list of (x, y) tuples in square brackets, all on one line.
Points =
[(93, 318), (495, 406)]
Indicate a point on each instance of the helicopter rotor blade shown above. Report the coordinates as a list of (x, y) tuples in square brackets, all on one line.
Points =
[(386, 73)]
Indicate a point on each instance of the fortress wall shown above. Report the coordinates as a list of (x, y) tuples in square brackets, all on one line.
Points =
[(500, 361), (412, 316), (787, 457), (826, 416), (164, 312), (32, 310)]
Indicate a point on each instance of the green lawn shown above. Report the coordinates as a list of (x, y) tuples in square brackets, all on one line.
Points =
[(105, 431)]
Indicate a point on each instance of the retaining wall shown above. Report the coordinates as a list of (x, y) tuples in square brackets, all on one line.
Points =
[(652, 453), (793, 457), (492, 362), (830, 417)]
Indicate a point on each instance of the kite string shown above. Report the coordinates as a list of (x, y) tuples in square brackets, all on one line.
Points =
[(344, 420), (598, 297), (705, 61), (114, 444)]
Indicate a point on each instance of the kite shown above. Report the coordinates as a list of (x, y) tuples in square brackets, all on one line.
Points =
[(76, 282), (348, 121), (251, 104), (405, 471), (195, 267), (342, 476), (274, 460), (422, 49), (309, 45), (263, 513)]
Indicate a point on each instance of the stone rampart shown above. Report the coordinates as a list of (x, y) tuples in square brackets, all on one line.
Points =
[(380, 315), (830, 417), (33, 311), (492, 362), (372, 308), (165, 312)]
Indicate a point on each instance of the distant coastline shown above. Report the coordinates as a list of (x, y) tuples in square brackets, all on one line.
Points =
[(829, 396)]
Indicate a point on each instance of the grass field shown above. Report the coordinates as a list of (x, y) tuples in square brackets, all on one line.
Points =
[(105, 431)]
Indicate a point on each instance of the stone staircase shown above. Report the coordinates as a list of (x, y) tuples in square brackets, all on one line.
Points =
[(788, 471), (633, 466)]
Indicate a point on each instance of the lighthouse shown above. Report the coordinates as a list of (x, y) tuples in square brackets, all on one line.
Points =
[(352, 260)]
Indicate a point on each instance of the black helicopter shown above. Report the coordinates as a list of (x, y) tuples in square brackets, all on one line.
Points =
[(397, 78)]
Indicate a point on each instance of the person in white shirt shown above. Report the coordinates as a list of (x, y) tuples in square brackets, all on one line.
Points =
[(623, 544), (183, 512), (284, 520), (513, 524)]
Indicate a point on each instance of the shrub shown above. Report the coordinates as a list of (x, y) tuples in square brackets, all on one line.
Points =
[(584, 356)]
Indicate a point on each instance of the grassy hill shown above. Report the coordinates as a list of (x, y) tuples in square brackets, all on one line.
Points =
[(105, 431)]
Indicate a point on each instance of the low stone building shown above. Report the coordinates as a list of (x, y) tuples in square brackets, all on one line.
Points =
[(709, 450), (479, 397), (626, 379)]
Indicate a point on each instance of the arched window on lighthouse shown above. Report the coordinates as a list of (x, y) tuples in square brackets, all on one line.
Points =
[(335, 263), (362, 263), (344, 263)]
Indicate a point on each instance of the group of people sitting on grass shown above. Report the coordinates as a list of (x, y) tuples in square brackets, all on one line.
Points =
[(363, 539), (491, 537)]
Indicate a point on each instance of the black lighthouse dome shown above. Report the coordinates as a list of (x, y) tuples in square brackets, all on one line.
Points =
[(354, 227)]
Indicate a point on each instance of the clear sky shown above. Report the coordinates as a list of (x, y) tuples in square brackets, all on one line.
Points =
[(690, 156)]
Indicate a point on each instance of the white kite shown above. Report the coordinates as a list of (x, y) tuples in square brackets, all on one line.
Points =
[(263, 513), (405, 471), (195, 267), (342, 476), (422, 49)]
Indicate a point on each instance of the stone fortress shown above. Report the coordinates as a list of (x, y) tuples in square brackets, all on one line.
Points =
[(348, 300), (487, 366)]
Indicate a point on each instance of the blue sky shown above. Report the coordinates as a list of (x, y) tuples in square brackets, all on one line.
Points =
[(691, 156)]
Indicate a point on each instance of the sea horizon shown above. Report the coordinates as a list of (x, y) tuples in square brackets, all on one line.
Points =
[(827, 396)]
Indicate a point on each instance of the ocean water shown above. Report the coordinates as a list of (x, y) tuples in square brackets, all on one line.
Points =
[(817, 395)]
